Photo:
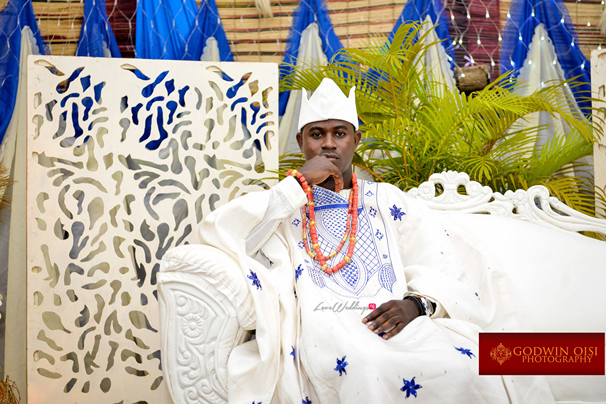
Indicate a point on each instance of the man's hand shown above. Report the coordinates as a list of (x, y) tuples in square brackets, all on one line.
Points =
[(393, 316), (319, 169)]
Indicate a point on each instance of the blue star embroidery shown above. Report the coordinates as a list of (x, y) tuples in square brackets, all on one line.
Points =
[(372, 212), (293, 352), (369, 193), (255, 281), (379, 235), (397, 213), (301, 245), (341, 366), (307, 400), (296, 222), (465, 352), (298, 272), (410, 387)]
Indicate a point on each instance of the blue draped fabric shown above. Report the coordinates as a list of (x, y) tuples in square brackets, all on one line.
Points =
[(16, 15), (309, 11), (418, 10), (96, 32), (163, 28), (208, 24), (525, 15)]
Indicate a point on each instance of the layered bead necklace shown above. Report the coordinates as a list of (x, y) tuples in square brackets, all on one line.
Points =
[(350, 230)]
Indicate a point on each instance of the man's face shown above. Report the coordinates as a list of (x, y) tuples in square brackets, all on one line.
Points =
[(335, 139)]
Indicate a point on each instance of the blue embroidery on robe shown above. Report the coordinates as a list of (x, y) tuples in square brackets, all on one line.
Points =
[(410, 387), (327, 197), (366, 248), (336, 219), (397, 213), (298, 272), (293, 352), (341, 366), (307, 400), (351, 274), (255, 281), (465, 352), (301, 245), (296, 222), (369, 193), (387, 277), (316, 277), (331, 217)]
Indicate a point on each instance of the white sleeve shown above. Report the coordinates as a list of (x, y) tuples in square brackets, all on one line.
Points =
[(284, 199)]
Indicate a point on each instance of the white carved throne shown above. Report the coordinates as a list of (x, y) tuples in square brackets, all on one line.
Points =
[(531, 235)]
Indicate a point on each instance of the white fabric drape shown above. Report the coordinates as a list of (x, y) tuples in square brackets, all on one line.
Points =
[(13, 231), (210, 53), (540, 67), (310, 52), (435, 61)]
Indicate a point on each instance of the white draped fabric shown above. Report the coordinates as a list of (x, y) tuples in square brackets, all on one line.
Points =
[(435, 61), (310, 342), (12, 228), (210, 53), (540, 67), (310, 52)]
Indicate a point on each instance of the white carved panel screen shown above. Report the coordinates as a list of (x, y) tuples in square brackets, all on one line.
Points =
[(125, 157)]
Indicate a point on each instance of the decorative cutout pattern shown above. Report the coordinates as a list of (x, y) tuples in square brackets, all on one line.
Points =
[(125, 159)]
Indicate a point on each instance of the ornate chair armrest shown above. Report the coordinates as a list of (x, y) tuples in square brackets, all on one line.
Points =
[(205, 311)]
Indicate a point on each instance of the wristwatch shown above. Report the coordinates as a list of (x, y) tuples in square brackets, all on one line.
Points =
[(426, 305)]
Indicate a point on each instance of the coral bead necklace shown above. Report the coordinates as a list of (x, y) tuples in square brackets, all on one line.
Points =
[(350, 230)]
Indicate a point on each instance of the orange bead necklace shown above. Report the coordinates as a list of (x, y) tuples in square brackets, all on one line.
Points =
[(350, 230)]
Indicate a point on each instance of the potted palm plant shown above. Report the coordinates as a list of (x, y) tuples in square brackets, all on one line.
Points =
[(414, 126)]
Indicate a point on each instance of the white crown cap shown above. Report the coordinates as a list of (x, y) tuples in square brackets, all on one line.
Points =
[(328, 102)]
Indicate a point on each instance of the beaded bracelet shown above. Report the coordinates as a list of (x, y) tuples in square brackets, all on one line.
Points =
[(300, 177), (418, 303)]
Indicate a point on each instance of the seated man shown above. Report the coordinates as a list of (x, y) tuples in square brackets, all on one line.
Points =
[(359, 296)]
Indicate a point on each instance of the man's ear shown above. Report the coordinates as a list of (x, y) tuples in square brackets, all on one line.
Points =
[(357, 137), (300, 141)]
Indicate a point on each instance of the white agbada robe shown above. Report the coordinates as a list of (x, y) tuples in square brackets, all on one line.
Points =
[(311, 344)]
